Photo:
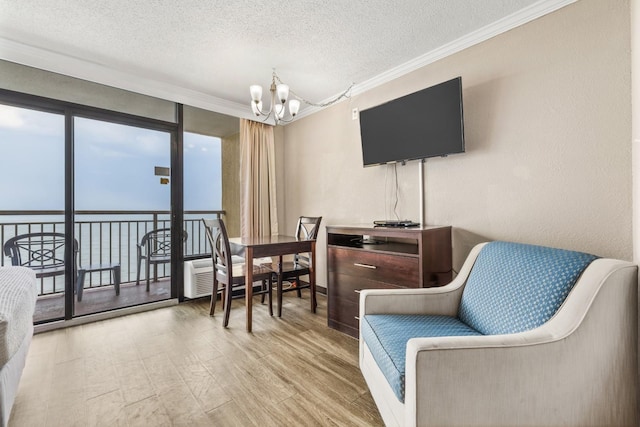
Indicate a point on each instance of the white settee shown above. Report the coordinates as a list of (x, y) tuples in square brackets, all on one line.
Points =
[(576, 365), (18, 295)]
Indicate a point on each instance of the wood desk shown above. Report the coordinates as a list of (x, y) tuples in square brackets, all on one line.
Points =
[(269, 246)]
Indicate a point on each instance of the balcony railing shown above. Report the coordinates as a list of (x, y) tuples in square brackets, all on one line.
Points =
[(106, 237)]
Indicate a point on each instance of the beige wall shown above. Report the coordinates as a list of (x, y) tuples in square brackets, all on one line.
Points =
[(207, 122), (548, 153), (231, 183)]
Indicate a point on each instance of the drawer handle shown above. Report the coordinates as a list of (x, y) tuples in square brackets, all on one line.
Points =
[(372, 267), (357, 317), (357, 291)]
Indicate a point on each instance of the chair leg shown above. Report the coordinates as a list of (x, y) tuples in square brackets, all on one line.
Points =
[(80, 284), (138, 275), (148, 271), (263, 288), (116, 279), (269, 284), (227, 306), (214, 297), (298, 287), (223, 297), (270, 291), (279, 294)]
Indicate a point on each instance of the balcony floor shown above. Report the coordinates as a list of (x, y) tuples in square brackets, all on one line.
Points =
[(103, 299)]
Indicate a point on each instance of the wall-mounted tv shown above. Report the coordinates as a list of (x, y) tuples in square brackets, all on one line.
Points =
[(427, 123)]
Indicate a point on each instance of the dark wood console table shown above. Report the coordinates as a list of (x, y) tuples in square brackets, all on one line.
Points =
[(365, 257)]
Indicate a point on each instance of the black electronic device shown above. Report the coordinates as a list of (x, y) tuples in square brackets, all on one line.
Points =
[(427, 123), (395, 223)]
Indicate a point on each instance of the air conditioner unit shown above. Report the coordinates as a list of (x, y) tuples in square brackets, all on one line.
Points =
[(198, 278)]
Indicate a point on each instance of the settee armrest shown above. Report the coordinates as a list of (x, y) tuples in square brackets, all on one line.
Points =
[(589, 346), (442, 300)]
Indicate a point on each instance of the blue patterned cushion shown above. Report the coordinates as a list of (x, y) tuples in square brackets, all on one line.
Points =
[(386, 336), (516, 287)]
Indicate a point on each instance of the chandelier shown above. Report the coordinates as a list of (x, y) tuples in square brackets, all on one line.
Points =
[(280, 100)]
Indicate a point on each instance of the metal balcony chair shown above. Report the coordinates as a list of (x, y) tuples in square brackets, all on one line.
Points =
[(306, 229), (44, 253), (230, 270), (155, 248)]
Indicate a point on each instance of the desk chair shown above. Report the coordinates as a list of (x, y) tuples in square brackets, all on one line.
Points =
[(307, 229), (228, 273)]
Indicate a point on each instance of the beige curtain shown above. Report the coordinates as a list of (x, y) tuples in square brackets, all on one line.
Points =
[(258, 210)]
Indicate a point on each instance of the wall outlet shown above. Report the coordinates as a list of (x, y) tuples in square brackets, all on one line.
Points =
[(354, 114)]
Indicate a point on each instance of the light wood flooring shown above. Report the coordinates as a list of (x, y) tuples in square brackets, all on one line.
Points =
[(177, 366)]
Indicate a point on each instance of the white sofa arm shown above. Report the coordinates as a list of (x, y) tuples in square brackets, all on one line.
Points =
[(443, 301)]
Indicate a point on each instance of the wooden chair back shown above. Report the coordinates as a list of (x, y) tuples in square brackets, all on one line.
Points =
[(307, 229), (223, 268), (220, 249)]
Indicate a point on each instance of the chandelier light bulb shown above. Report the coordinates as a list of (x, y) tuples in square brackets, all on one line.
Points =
[(283, 92), (279, 111), (294, 107), (256, 93), (256, 107)]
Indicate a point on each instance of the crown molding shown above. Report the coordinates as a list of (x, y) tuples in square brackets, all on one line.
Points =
[(503, 25), (81, 68)]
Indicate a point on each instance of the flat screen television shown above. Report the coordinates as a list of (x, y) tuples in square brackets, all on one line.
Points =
[(427, 123)]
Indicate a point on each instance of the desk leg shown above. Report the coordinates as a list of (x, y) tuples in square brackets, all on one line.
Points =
[(312, 277), (248, 284)]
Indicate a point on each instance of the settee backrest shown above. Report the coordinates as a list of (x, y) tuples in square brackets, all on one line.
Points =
[(515, 287)]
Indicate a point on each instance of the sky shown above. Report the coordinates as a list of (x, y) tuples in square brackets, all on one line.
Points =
[(114, 165)]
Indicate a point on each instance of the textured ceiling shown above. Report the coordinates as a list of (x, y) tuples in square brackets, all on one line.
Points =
[(215, 49)]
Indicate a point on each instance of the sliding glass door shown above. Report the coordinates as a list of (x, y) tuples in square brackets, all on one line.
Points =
[(32, 222), (90, 195), (122, 214)]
